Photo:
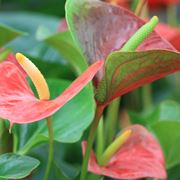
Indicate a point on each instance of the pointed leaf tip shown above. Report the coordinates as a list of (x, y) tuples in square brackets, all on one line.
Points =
[(79, 83)]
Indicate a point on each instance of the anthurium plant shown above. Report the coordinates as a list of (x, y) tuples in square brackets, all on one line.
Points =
[(84, 102)]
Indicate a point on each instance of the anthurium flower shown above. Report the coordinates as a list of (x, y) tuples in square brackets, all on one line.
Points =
[(10, 57), (106, 28), (139, 157), (160, 3), (101, 30), (170, 33), (17, 101)]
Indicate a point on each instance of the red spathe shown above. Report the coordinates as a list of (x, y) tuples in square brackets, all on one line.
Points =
[(18, 103), (140, 157)]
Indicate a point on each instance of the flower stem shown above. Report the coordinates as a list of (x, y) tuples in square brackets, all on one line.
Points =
[(15, 142), (111, 119), (100, 138), (147, 96), (51, 148), (139, 7), (172, 15), (99, 111), (114, 147)]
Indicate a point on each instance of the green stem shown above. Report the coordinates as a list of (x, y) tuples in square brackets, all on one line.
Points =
[(51, 148), (99, 111), (33, 141), (139, 7), (134, 42), (6, 142), (177, 80), (147, 96), (100, 138), (172, 15), (131, 45), (111, 119), (15, 142), (1, 136), (172, 19)]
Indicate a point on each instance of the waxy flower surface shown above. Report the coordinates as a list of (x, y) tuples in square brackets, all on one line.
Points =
[(101, 30), (170, 33), (139, 157), (17, 101), (11, 58), (159, 3)]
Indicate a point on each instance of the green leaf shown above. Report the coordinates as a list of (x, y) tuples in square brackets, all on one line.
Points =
[(29, 44), (66, 165), (168, 134), (69, 122), (138, 118), (54, 7), (7, 34), (14, 166), (126, 71), (94, 177), (53, 69), (66, 169), (173, 173), (165, 111), (63, 42)]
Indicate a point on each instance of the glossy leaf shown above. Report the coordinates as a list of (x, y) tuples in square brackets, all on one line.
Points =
[(63, 42), (100, 28), (126, 71), (17, 101), (168, 134), (32, 46), (65, 164), (54, 69), (165, 111), (8, 34), (69, 122), (139, 157), (21, 21), (14, 166)]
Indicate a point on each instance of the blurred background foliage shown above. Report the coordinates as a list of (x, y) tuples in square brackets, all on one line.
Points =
[(50, 7)]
